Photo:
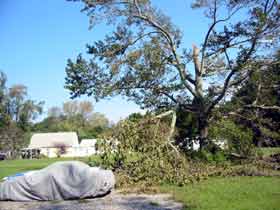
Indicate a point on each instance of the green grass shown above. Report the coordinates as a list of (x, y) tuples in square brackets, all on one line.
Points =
[(267, 151), (9, 167), (233, 193), (230, 193)]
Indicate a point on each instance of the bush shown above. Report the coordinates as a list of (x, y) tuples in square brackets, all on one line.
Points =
[(11, 139), (207, 155), (239, 139)]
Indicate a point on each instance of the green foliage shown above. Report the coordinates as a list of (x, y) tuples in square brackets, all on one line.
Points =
[(257, 100), (186, 127), (144, 59), (74, 116), (134, 117), (139, 153), (238, 138), (11, 138), (16, 115), (206, 155)]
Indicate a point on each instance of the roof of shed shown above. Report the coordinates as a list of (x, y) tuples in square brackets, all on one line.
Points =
[(40, 140), (88, 143)]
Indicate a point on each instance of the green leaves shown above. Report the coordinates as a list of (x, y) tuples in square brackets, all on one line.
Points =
[(17, 112), (238, 138), (139, 152), (142, 58)]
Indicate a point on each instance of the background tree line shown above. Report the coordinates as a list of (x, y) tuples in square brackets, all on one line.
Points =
[(74, 116), (19, 113)]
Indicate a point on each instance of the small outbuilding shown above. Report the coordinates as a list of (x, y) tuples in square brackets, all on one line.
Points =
[(88, 147), (59, 144)]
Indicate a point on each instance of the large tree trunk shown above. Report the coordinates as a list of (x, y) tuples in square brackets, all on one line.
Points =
[(203, 126), (202, 117)]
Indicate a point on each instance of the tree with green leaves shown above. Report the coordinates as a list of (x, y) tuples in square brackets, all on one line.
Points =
[(256, 104), (4, 117), (75, 116), (15, 106), (17, 112), (143, 58)]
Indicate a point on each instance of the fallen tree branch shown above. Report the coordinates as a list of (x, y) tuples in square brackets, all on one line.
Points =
[(172, 127), (274, 108)]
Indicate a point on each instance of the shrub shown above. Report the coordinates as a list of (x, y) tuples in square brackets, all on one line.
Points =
[(207, 155), (239, 138), (61, 149)]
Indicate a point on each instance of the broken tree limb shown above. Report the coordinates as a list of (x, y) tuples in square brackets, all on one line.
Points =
[(172, 126), (274, 108)]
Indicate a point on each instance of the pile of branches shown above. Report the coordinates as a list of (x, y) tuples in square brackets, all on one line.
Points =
[(140, 152)]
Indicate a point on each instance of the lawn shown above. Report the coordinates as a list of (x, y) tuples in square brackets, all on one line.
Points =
[(232, 193), (229, 193), (9, 167)]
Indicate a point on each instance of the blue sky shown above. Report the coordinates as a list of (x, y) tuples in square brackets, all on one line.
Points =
[(37, 37)]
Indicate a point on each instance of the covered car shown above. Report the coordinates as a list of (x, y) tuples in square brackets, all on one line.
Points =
[(59, 181)]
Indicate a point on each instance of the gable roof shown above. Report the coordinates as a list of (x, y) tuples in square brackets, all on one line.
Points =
[(39, 140)]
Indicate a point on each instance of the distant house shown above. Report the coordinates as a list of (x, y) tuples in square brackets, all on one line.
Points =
[(60, 144), (64, 144)]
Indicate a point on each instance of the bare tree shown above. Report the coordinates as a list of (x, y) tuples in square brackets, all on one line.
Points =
[(70, 108), (85, 109), (17, 94)]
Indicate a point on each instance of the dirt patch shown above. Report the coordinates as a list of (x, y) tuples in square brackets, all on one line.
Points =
[(114, 201)]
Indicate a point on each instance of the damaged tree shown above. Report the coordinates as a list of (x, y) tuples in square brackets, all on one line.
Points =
[(143, 58)]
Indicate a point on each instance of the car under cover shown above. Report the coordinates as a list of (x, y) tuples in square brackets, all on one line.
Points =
[(63, 180)]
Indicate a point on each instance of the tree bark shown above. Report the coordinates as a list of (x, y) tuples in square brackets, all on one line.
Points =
[(203, 126)]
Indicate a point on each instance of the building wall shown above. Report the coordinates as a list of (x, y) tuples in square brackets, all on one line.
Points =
[(69, 152)]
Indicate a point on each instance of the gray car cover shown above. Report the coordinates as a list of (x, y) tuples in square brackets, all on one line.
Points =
[(59, 181)]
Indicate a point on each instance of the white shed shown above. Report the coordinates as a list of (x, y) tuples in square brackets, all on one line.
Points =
[(88, 147), (64, 144)]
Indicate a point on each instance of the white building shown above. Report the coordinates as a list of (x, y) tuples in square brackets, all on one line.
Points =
[(88, 147), (62, 144)]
